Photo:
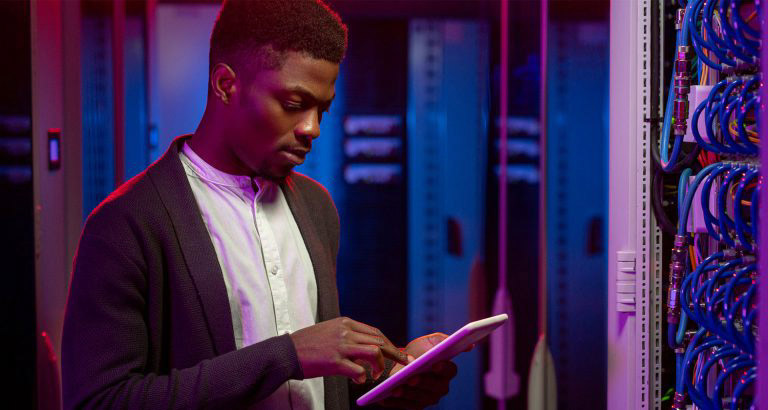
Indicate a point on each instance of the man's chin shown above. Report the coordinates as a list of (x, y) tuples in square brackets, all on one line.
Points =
[(278, 174)]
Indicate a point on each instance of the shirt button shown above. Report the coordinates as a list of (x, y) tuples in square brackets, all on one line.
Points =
[(275, 269)]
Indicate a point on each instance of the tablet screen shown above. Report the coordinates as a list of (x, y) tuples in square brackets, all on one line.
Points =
[(454, 344)]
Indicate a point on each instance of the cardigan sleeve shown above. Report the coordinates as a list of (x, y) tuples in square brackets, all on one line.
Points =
[(105, 347), (333, 227)]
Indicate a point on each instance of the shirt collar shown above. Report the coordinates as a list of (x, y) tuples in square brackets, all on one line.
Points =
[(210, 174)]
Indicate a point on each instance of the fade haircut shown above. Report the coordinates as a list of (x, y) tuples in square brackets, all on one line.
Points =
[(259, 32)]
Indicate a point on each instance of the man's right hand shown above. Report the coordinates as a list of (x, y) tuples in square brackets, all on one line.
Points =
[(339, 346)]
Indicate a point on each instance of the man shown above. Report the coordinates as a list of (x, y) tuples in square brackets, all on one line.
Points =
[(209, 279)]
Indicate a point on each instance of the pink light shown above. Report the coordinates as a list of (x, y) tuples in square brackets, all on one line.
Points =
[(502, 404)]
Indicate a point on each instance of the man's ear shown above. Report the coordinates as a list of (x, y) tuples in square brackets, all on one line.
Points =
[(223, 82)]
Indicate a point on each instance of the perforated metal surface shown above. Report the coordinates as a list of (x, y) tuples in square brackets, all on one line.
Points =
[(98, 127), (426, 78), (649, 238), (576, 209), (634, 336), (447, 122), (644, 303)]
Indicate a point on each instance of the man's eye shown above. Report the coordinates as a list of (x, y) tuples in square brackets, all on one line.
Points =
[(293, 106)]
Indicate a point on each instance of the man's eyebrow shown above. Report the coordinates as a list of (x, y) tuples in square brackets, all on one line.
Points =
[(306, 94)]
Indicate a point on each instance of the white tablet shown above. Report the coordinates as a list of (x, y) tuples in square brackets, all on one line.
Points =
[(454, 344)]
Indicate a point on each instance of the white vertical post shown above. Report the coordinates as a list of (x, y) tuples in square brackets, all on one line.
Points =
[(633, 368), (621, 202), (55, 46)]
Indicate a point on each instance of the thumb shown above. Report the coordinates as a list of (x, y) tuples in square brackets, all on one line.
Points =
[(419, 346), (436, 338)]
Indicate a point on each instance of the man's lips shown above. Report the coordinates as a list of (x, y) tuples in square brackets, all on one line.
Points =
[(295, 155)]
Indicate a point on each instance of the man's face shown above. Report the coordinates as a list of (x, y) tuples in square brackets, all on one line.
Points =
[(277, 114)]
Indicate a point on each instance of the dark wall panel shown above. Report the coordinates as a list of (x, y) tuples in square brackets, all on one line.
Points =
[(17, 244), (372, 261)]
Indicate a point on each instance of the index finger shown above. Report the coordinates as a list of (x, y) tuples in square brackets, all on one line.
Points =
[(388, 349), (363, 328), (393, 353)]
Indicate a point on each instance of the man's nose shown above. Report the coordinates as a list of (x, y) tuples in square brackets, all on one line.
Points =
[(309, 127)]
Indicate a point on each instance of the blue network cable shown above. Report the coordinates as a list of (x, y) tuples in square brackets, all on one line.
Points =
[(748, 316), (721, 353), (745, 381), (725, 221), (730, 329), (748, 46), (740, 23), (688, 289), (742, 228), (736, 364), (741, 117), (729, 34), (686, 206), (732, 313), (706, 189), (721, 104), (753, 211), (712, 100), (699, 42), (683, 380), (726, 106), (667, 163), (682, 189), (716, 294)]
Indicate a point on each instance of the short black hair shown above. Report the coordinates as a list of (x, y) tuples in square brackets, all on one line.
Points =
[(265, 29)]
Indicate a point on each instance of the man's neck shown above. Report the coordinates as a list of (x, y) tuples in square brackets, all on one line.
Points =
[(209, 144)]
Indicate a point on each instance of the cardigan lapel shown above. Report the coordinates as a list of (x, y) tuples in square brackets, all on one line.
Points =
[(336, 394), (327, 297), (199, 254)]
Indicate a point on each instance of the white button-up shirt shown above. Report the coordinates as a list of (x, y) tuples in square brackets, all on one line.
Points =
[(267, 271)]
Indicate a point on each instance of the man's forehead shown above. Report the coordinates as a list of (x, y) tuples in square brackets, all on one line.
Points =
[(309, 68), (306, 75), (309, 94)]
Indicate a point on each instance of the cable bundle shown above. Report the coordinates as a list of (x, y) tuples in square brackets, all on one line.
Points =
[(716, 293), (721, 38), (713, 278), (719, 295), (722, 41), (729, 117)]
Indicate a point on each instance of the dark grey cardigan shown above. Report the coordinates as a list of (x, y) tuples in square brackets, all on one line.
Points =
[(148, 324)]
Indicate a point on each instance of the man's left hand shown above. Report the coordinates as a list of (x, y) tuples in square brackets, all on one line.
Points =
[(423, 389)]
